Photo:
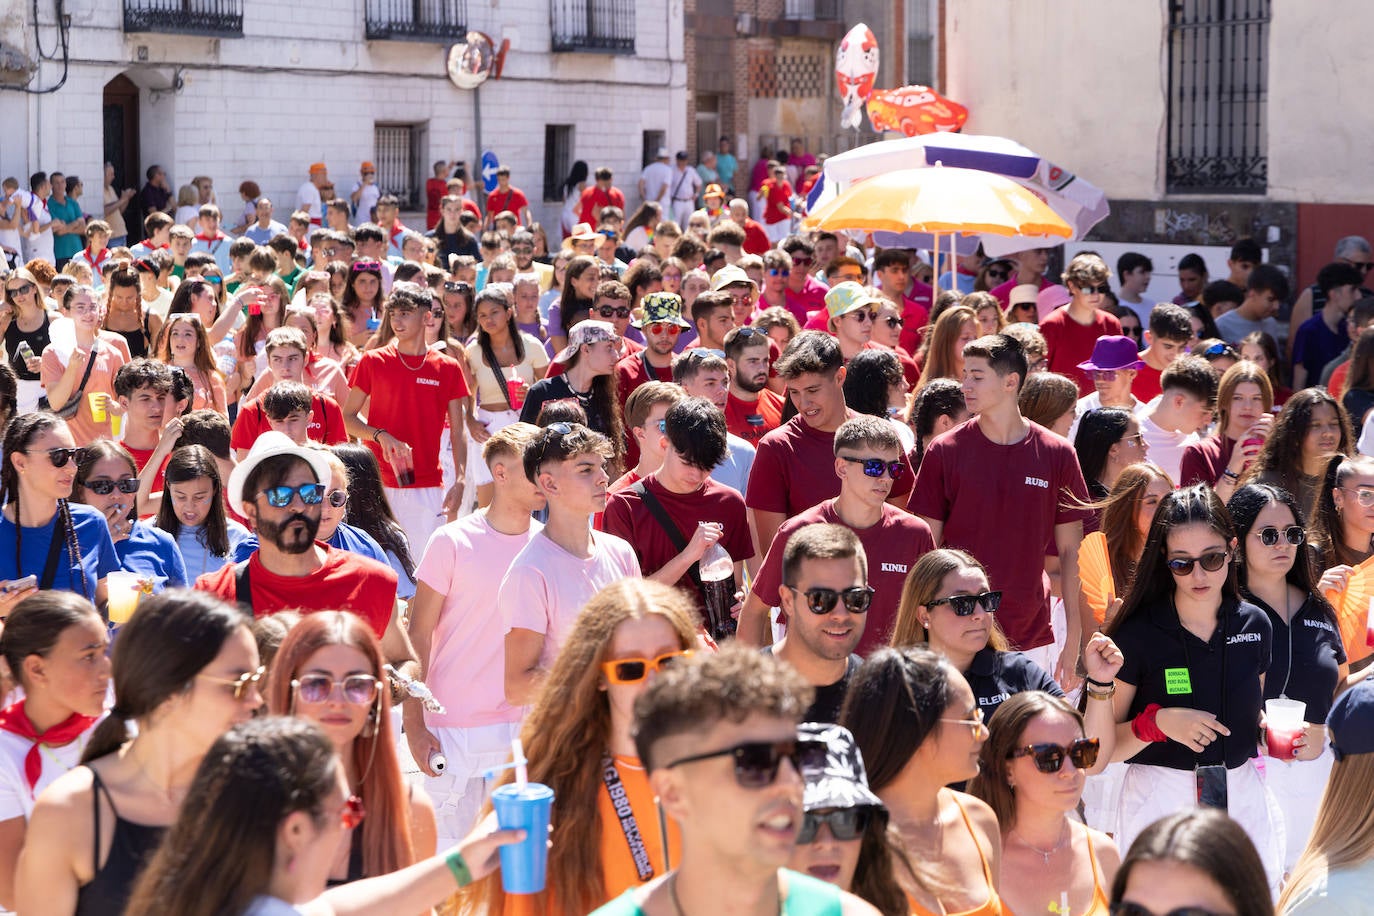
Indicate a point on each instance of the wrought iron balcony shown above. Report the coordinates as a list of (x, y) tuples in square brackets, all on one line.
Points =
[(603, 26), (816, 10), (416, 20), (214, 18)]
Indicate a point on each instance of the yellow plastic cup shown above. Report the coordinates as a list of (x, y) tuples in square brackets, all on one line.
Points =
[(116, 424), (97, 401), (123, 590)]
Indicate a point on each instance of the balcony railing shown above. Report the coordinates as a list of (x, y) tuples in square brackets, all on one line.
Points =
[(815, 10), (215, 18), (604, 26), (416, 20)]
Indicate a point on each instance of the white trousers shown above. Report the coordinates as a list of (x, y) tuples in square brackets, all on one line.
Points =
[(460, 791)]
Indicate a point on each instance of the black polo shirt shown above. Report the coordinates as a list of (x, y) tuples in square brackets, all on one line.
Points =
[(996, 676), (1170, 666), (1311, 649), (829, 697)]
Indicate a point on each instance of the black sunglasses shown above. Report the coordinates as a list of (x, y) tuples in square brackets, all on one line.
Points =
[(457, 286), (757, 762), (1049, 758), (965, 605), (1293, 534), (619, 311), (1135, 909), (1183, 566), (1089, 290), (60, 456), (892, 321), (845, 823), (822, 600), (876, 467), (106, 487)]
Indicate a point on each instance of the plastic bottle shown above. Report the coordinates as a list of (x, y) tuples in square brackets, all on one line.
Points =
[(718, 590)]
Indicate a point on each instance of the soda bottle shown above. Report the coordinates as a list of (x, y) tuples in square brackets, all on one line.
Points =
[(718, 590)]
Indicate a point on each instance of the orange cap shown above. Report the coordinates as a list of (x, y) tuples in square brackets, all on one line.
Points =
[(368, 167), (317, 167)]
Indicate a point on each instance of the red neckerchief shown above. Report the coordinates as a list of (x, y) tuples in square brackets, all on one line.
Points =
[(97, 260), (14, 720), (396, 229)]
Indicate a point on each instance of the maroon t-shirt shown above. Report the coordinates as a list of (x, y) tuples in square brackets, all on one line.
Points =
[(892, 546), (1070, 343), (628, 517), (630, 373), (1203, 461), (1001, 503), (794, 469)]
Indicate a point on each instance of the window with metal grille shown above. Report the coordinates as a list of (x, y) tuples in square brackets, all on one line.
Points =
[(652, 142), (399, 157), (603, 26), (558, 141), (1218, 89), (218, 18), (415, 20), (922, 18)]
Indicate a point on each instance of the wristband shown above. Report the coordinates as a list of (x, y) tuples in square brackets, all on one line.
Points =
[(1230, 474), (377, 435), (1145, 728), (458, 866), (1103, 684)]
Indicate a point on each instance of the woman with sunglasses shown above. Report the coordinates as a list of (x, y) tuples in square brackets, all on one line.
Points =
[(1107, 442), (1311, 429), (1033, 769), (64, 544), (1194, 863), (942, 348), (844, 836), (185, 669), (25, 326), (192, 512), (1277, 571), (1342, 533), (1189, 696), (363, 300), (919, 728), (329, 671), (107, 480), (579, 295), (1244, 398), (578, 741)]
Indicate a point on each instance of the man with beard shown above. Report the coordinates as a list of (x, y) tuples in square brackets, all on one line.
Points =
[(279, 488), (751, 409)]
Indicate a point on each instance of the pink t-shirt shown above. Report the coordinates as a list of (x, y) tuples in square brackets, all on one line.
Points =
[(466, 669), (811, 297), (994, 500), (546, 586)]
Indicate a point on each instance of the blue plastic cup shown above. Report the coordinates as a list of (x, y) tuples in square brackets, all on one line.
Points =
[(524, 808)]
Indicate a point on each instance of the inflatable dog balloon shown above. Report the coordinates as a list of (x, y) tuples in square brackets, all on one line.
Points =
[(856, 67)]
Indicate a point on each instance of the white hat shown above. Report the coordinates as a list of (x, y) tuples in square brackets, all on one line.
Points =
[(269, 445)]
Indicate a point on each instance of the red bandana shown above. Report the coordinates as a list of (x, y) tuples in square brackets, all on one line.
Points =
[(13, 719)]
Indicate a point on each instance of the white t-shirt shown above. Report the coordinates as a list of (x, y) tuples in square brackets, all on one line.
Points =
[(1142, 308), (1165, 445), (308, 199), (546, 586), (465, 562), (1233, 326), (37, 244), (15, 798), (1094, 401), (1340, 892), (658, 177), (188, 216), (362, 212), (9, 238)]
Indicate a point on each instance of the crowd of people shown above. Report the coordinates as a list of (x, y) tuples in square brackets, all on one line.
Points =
[(812, 577)]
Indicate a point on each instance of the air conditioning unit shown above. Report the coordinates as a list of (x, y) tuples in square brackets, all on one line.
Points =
[(16, 68)]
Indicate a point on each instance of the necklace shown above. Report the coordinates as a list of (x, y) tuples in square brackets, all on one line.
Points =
[(402, 357), (1046, 853), (677, 904)]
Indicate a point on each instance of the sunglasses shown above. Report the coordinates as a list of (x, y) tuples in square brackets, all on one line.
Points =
[(802, 262), (745, 332), (1364, 496), (757, 762), (1293, 534), (312, 494), (60, 456), (856, 598), (619, 311), (239, 685), (437, 311), (19, 290), (357, 689), (634, 670), (366, 265), (1135, 909), (965, 605), (522, 249), (1094, 290), (777, 271), (741, 295), (662, 327), (1104, 375), (976, 725), (337, 498), (1049, 758), (845, 824), (892, 321), (106, 487), (1362, 265), (999, 274), (1183, 566), (862, 316), (353, 812), (876, 467), (457, 286), (1220, 349)]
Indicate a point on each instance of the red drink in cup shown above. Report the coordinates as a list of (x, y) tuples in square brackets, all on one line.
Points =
[(1283, 725), (517, 388)]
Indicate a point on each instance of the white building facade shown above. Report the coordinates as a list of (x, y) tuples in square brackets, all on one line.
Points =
[(258, 90)]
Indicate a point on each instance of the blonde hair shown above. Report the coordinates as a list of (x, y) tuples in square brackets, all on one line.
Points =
[(923, 586), (1343, 835)]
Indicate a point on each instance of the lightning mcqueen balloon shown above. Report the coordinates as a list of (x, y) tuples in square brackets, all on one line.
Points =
[(856, 67), (914, 110)]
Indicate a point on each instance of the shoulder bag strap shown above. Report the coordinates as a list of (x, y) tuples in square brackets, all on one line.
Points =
[(74, 402), (670, 527), (243, 588), (54, 552)]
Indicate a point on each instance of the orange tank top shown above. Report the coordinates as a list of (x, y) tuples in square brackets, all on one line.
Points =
[(1101, 904), (993, 905)]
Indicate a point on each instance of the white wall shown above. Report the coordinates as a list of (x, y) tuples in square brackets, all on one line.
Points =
[(267, 105)]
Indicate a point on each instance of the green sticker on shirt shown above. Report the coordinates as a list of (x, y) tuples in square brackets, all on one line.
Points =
[(1176, 681)]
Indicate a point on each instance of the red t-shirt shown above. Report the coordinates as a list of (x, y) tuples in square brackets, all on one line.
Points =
[(794, 469), (1146, 386), (594, 199), (776, 194), (435, 189), (752, 421), (511, 200), (1070, 343), (978, 489), (326, 423), (755, 237), (891, 546), (141, 458), (346, 582), (1204, 460), (410, 404), (915, 316), (627, 517), (811, 298), (629, 375)]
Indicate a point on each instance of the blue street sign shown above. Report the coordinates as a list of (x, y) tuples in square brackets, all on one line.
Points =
[(489, 166)]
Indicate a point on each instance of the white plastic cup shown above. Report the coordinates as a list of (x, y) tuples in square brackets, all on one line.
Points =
[(1283, 724)]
